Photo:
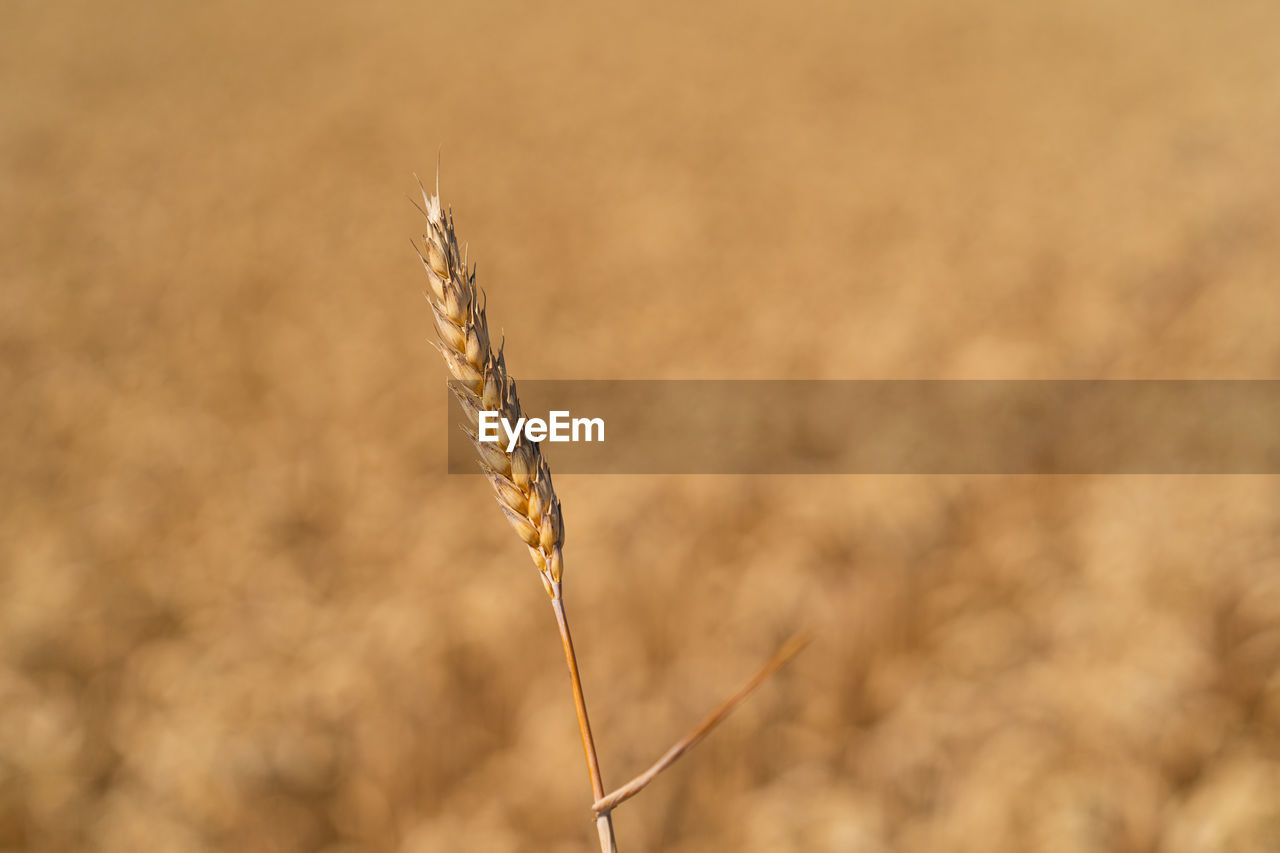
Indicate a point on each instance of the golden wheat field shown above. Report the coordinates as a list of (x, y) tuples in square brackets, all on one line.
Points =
[(243, 607)]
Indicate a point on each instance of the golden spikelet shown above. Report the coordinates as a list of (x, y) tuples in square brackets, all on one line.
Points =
[(521, 480)]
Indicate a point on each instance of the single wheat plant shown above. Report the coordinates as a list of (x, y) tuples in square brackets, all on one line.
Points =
[(522, 481)]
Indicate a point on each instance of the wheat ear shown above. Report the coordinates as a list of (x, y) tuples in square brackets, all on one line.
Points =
[(521, 479)]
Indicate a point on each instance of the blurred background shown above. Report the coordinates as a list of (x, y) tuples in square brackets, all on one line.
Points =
[(242, 607)]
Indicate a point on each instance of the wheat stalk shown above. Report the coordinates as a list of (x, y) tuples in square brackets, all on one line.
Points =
[(522, 481)]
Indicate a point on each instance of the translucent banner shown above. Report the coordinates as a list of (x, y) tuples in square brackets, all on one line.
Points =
[(893, 427)]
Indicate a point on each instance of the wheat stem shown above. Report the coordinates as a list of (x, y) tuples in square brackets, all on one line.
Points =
[(604, 821), (788, 650)]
